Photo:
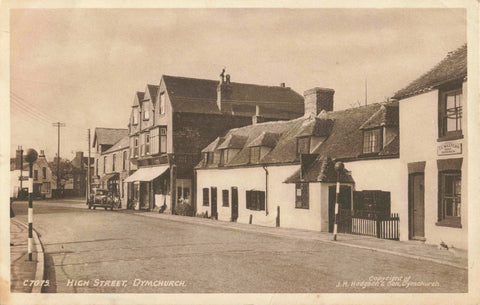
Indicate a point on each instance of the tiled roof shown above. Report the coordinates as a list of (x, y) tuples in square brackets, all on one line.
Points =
[(321, 170), (121, 144), (212, 146), (138, 97), (341, 130), (451, 68), (200, 96), (109, 136), (233, 141), (387, 115), (152, 90), (267, 139)]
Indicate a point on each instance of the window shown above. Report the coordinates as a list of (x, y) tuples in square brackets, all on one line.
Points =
[(44, 173), (135, 116), (96, 167), (46, 187), (209, 157), (147, 144), (225, 198), (303, 145), (114, 159), (162, 103), (123, 188), (163, 139), (35, 175), (255, 200), (135, 149), (223, 155), (146, 111), (450, 113), (104, 164), (205, 197), (255, 154), (124, 161), (450, 196), (301, 195), (179, 192), (372, 141)]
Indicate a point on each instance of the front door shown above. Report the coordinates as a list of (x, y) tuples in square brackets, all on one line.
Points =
[(213, 212), (234, 204), (416, 198)]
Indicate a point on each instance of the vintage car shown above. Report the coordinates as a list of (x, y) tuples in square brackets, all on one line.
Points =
[(104, 199)]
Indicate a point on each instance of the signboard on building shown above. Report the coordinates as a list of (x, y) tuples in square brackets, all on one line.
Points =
[(449, 148)]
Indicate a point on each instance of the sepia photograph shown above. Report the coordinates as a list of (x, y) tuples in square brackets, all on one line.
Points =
[(200, 153)]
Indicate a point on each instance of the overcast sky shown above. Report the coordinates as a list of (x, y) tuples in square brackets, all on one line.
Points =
[(83, 66)]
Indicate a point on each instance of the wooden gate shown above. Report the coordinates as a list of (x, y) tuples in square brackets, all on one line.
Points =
[(370, 223)]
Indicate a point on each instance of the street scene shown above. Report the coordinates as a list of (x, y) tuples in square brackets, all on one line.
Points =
[(216, 151)]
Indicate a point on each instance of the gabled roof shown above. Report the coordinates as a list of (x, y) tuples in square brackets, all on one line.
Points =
[(321, 170), (451, 68), (121, 144), (387, 115), (108, 136), (138, 97), (343, 138), (193, 95), (152, 92)]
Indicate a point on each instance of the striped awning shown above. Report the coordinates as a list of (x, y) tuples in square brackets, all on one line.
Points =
[(147, 173)]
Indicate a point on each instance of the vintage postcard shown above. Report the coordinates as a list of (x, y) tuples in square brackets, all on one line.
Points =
[(246, 153)]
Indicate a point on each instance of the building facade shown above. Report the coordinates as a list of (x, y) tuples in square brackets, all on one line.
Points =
[(171, 123), (80, 172), (434, 160)]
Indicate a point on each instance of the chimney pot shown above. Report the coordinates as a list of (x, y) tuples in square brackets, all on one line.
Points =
[(318, 99), (227, 78), (282, 85)]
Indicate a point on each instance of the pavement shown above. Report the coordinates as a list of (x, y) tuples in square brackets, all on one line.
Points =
[(22, 269)]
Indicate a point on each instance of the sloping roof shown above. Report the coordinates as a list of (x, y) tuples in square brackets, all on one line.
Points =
[(212, 146), (109, 136), (387, 115), (138, 97), (321, 170), (121, 144), (391, 148), (195, 95), (267, 139), (451, 68), (233, 141), (341, 129), (152, 91)]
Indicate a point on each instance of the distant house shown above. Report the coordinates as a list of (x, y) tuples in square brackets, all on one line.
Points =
[(117, 169), (79, 171), (433, 154), (171, 123), (255, 173), (43, 179), (104, 139)]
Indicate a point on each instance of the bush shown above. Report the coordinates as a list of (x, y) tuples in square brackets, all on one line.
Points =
[(184, 209)]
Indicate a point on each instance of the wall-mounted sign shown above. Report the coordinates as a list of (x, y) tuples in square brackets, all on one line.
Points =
[(449, 148)]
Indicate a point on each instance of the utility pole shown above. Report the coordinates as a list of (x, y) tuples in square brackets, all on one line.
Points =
[(58, 125), (88, 168)]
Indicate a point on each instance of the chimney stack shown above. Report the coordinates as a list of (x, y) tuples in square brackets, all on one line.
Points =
[(18, 158), (42, 153), (257, 118), (223, 89), (282, 85), (318, 99)]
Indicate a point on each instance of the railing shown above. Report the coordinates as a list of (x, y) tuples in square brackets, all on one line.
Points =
[(370, 223)]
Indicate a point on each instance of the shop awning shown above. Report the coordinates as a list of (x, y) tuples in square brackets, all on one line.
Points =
[(147, 173), (107, 177)]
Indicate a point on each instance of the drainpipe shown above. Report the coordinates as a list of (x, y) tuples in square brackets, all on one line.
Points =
[(266, 189)]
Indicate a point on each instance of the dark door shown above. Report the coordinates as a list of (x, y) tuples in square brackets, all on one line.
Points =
[(344, 202), (416, 198), (213, 197), (234, 204)]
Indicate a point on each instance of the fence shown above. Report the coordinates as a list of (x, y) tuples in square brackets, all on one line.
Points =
[(370, 223)]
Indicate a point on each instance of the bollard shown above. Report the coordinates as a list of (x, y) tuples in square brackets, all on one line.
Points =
[(30, 157)]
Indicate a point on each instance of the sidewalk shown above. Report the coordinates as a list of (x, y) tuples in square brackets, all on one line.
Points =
[(411, 249), (21, 268)]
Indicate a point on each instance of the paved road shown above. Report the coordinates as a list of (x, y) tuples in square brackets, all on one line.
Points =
[(85, 247)]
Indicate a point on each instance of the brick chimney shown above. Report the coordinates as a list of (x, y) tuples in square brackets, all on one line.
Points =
[(224, 89), (318, 99), (42, 153)]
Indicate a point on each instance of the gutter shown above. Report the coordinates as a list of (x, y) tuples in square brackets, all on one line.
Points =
[(266, 189)]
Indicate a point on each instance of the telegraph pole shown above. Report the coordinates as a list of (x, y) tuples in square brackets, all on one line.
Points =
[(58, 125), (88, 168)]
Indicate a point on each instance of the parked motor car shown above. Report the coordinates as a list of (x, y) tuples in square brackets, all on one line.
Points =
[(103, 198)]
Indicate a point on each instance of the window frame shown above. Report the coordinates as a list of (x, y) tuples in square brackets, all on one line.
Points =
[(114, 159), (369, 146), (146, 111), (255, 200), (443, 133), (225, 198), (136, 115), (443, 218), (162, 99), (302, 200), (255, 154), (35, 174), (44, 172), (163, 139), (206, 197), (307, 140)]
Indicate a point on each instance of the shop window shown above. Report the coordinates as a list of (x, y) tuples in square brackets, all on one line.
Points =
[(255, 200), (303, 145), (372, 141), (186, 194), (205, 197), (225, 198), (301, 195), (255, 154), (450, 114), (44, 173), (450, 183), (179, 192)]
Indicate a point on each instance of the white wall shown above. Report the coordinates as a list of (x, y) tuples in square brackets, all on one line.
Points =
[(418, 136)]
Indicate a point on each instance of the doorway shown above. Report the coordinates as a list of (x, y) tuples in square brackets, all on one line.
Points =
[(416, 206), (234, 204), (213, 198)]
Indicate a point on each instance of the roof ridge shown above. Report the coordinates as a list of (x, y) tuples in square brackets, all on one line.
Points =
[(111, 128), (206, 79)]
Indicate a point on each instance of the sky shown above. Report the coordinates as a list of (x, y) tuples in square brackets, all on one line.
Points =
[(82, 67)]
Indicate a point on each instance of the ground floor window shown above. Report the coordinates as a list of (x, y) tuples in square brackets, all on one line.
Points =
[(225, 198), (301, 195), (255, 200), (450, 183), (205, 197)]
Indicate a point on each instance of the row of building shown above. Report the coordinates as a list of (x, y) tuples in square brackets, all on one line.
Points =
[(266, 154)]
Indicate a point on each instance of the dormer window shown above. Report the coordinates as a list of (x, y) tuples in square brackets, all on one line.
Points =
[(303, 145), (208, 157), (372, 141), (255, 154)]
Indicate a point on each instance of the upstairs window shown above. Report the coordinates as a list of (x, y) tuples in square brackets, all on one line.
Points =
[(303, 145), (44, 173), (135, 116), (450, 114), (255, 200), (372, 141), (162, 103), (255, 154), (163, 139), (301, 195), (209, 156), (35, 175), (147, 143), (114, 159), (146, 112), (124, 160)]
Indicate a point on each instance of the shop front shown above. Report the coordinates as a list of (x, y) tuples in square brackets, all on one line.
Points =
[(148, 188)]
